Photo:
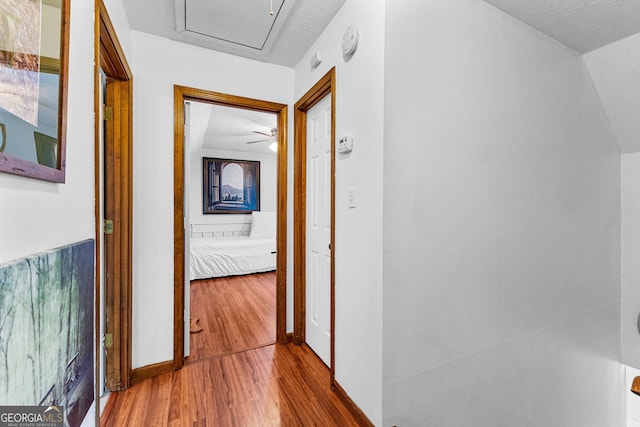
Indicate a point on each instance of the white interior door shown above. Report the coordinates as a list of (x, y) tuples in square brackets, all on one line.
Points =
[(318, 227)]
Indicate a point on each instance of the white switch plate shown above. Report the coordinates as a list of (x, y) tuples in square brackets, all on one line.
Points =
[(352, 197)]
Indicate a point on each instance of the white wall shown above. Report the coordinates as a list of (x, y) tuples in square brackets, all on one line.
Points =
[(268, 187), (501, 226), (614, 70), (37, 215), (120, 21), (358, 246), (158, 64), (630, 280)]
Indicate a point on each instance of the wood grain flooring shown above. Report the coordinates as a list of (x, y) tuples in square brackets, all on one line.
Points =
[(236, 313), (275, 385)]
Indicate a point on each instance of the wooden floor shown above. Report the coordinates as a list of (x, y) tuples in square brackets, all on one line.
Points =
[(235, 375), (275, 385), (236, 313)]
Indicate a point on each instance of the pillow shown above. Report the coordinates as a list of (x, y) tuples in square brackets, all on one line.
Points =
[(263, 224)]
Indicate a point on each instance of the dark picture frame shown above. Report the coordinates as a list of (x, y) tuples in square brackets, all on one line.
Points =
[(230, 186), (34, 100)]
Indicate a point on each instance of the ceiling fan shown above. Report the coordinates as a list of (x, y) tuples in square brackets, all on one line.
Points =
[(270, 136)]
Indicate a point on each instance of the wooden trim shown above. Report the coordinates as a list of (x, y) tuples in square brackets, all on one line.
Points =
[(326, 85), (182, 94), (118, 190), (299, 232), (112, 59), (97, 188), (288, 338), (281, 254), (150, 371), (178, 228), (357, 413)]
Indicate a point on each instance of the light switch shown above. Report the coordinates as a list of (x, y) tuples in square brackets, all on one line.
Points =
[(352, 197)]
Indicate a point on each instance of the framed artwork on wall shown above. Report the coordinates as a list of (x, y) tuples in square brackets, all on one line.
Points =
[(47, 324), (230, 186), (33, 84)]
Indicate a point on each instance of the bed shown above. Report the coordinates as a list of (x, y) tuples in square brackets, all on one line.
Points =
[(233, 248)]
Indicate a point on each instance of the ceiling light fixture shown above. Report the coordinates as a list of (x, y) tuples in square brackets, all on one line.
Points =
[(274, 146), (271, 8)]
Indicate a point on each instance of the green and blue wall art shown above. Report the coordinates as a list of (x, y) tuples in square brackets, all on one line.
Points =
[(46, 330)]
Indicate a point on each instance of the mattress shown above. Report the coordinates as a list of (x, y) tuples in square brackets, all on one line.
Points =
[(231, 257)]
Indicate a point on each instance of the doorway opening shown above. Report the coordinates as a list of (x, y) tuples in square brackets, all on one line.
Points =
[(307, 217), (211, 213), (231, 164)]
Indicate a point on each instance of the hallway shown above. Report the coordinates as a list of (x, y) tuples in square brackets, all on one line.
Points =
[(274, 385)]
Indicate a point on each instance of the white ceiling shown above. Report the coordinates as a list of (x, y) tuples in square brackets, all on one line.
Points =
[(583, 25), (246, 28), (240, 27), (226, 128)]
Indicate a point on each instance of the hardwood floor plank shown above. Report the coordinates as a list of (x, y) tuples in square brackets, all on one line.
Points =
[(236, 313), (275, 385), (235, 375)]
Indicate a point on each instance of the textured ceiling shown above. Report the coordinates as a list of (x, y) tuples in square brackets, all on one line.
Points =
[(243, 28), (226, 128), (240, 25), (583, 25)]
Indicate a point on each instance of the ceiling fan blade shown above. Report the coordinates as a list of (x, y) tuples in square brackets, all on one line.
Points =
[(263, 133), (260, 140)]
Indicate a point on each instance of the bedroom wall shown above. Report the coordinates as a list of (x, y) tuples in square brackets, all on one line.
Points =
[(358, 246), (268, 193), (158, 64), (37, 216), (502, 281)]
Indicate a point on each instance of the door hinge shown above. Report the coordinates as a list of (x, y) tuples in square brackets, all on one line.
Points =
[(108, 113), (108, 226), (107, 340)]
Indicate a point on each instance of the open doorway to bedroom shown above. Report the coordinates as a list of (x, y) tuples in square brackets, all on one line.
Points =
[(232, 187), (231, 243)]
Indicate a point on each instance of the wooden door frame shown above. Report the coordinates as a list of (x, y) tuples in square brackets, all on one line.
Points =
[(118, 159), (325, 86), (182, 94)]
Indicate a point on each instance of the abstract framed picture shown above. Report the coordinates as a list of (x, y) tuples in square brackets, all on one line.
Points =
[(46, 331), (230, 186), (33, 84)]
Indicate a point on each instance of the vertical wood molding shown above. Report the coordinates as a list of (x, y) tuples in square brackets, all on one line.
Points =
[(96, 208), (182, 94), (178, 227), (118, 201), (281, 232), (326, 85)]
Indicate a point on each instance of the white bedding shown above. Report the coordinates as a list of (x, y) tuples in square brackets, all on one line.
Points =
[(230, 257)]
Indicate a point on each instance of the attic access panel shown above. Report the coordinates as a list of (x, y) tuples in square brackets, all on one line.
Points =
[(241, 23)]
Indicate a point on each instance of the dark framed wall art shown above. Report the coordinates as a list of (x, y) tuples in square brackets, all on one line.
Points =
[(230, 186)]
